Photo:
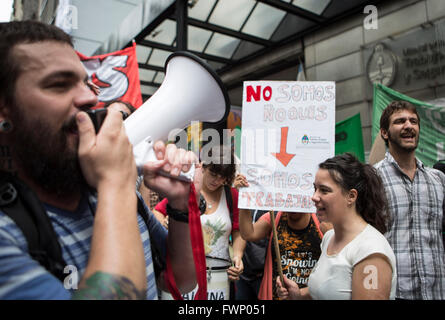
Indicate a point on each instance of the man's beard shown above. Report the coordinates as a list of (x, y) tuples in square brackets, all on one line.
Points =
[(397, 142), (45, 156)]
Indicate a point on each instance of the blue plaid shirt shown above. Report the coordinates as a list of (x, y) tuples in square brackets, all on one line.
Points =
[(415, 229)]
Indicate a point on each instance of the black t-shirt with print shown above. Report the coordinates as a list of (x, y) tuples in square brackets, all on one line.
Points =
[(299, 250)]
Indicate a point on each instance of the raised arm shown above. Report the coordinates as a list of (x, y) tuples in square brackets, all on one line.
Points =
[(177, 192), (253, 232), (249, 232), (113, 271)]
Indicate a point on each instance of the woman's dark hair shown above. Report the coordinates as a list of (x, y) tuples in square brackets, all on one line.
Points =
[(21, 32), (220, 160), (349, 173)]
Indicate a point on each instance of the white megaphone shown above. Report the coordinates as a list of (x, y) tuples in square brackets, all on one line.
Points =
[(191, 91)]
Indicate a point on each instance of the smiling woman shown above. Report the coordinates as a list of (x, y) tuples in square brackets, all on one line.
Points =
[(350, 195), (344, 183)]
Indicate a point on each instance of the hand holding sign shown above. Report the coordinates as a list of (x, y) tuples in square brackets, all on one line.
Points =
[(287, 129)]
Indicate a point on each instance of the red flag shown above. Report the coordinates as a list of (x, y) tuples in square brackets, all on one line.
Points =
[(116, 74), (198, 253)]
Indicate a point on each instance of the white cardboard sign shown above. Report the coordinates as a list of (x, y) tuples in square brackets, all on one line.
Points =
[(288, 128)]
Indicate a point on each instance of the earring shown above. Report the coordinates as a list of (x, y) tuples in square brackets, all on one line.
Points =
[(5, 126)]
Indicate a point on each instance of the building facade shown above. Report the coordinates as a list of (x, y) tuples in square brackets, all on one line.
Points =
[(41, 10), (399, 43)]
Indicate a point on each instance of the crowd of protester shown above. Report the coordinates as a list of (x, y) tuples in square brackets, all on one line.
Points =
[(74, 197)]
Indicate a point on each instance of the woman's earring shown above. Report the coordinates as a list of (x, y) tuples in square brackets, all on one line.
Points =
[(5, 126)]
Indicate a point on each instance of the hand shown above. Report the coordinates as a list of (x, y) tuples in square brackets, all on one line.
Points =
[(236, 270), (106, 158), (197, 180), (164, 222), (290, 290), (171, 160), (93, 87), (240, 181)]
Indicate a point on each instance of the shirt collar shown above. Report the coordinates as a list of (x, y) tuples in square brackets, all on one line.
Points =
[(390, 159)]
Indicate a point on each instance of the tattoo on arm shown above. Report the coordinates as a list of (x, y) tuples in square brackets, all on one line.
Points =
[(106, 286)]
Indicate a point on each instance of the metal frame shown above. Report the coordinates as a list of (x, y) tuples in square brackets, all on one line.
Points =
[(178, 12)]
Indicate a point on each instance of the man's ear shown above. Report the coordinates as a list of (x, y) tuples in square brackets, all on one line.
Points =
[(4, 111), (384, 134), (5, 121)]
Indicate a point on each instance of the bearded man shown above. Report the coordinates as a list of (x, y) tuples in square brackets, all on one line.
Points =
[(85, 182), (416, 206)]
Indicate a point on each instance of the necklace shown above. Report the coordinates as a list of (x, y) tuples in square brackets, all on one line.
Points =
[(210, 205)]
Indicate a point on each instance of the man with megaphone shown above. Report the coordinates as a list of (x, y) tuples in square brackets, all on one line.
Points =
[(69, 222)]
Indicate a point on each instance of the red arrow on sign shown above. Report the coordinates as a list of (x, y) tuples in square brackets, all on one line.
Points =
[(283, 156)]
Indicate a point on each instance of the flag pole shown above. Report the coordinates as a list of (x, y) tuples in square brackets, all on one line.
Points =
[(276, 246)]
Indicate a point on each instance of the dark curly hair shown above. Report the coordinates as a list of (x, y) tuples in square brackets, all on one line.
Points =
[(220, 160), (349, 173), (21, 32)]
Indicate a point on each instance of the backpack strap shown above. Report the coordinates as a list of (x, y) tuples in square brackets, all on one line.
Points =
[(20, 203), (229, 200)]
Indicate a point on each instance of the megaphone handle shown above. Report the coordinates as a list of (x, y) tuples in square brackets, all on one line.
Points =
[(144, 153)]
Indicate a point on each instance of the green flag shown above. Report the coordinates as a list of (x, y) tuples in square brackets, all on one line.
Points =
[(432, 123), (349, 137)]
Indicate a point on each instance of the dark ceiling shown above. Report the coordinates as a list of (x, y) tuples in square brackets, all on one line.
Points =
[(230, 33)]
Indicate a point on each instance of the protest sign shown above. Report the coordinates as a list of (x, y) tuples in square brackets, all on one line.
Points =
[(288, 129)]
